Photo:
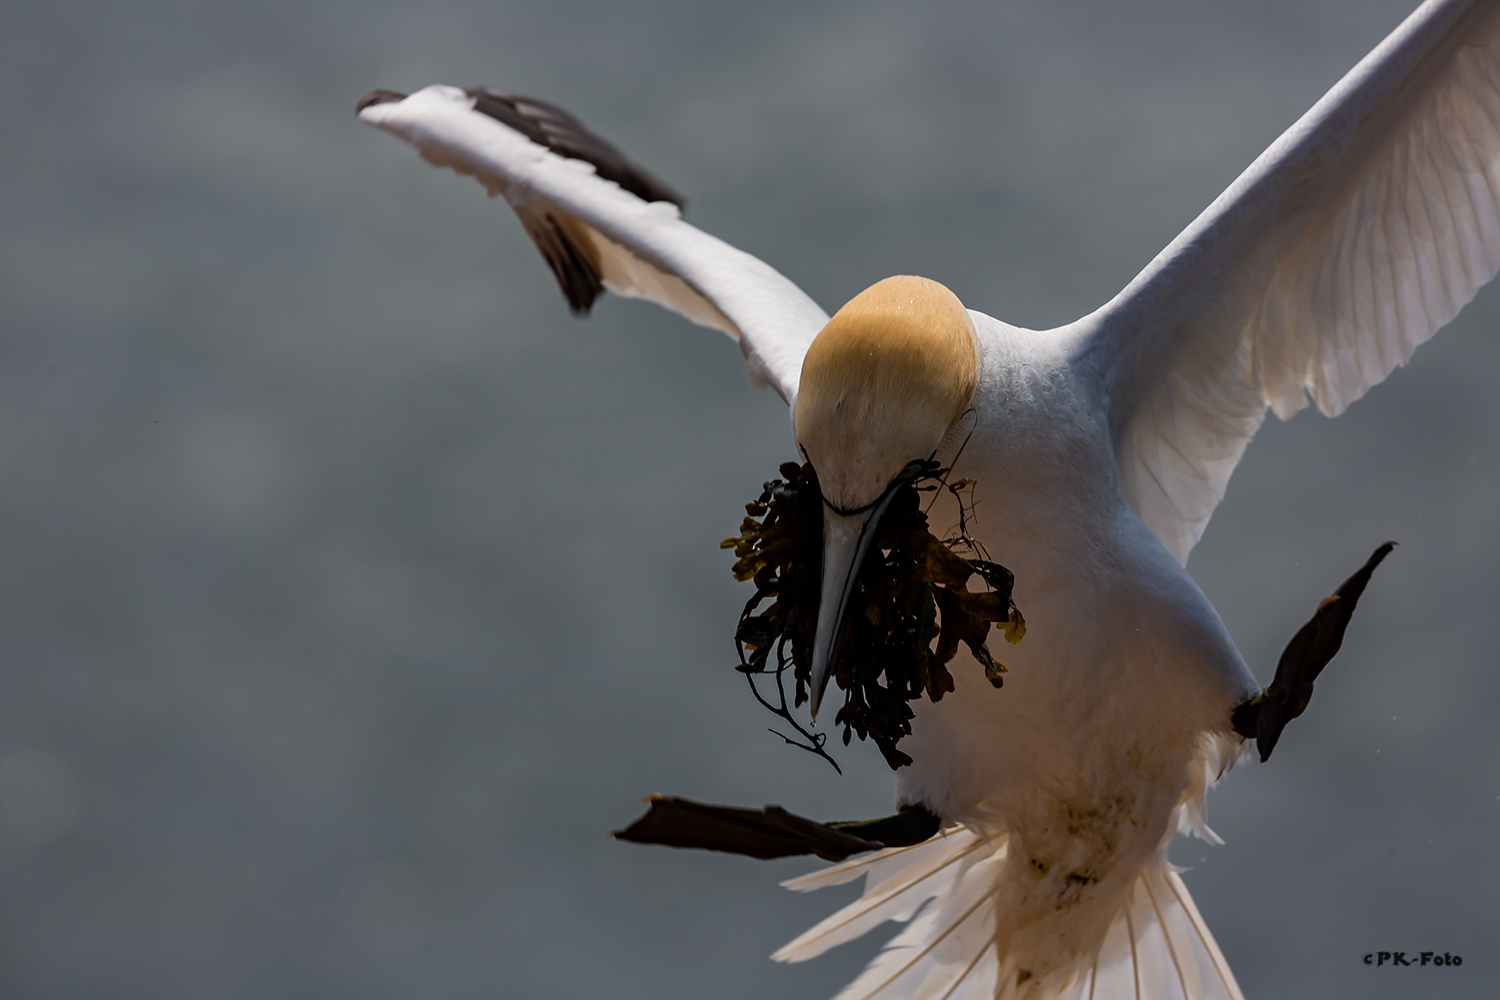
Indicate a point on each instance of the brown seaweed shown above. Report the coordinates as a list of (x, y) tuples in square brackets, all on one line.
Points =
[(908, 613)]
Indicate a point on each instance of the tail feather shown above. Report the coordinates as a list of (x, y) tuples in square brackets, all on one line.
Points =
[(947, 952), (898, 881), (1159, 947), (950, 891), (1200, 944)]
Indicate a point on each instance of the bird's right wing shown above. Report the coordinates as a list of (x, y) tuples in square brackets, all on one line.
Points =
[(1350, 241), (602, 222)]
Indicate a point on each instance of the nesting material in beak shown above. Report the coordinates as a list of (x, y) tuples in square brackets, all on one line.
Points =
[(872, 600)]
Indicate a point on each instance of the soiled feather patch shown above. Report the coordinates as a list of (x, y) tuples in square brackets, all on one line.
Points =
[(910, 609)]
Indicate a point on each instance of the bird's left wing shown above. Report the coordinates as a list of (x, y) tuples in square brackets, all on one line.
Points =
[(601, 222), (1345, 245)]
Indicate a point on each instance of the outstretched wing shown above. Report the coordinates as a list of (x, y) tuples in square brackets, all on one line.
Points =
[(602, 222), (1350, 241)]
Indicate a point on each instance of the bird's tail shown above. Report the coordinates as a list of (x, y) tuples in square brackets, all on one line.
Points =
[(961, 944)]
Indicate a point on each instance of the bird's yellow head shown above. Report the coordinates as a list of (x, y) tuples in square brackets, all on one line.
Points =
[(882, 384)]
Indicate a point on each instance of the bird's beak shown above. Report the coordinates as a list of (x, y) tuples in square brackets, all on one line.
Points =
[(846, 537)]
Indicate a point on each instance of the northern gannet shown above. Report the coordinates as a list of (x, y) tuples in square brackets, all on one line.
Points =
[(1107, 444)]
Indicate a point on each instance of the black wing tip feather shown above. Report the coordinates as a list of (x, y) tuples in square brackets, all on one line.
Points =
[(553, 127), (547, 124), (375, 97), (580, 282)]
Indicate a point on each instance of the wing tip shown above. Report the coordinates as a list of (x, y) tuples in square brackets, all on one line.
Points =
[(376, 97)]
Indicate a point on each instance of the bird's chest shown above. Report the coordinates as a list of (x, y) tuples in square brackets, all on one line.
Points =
[(1123, 667)]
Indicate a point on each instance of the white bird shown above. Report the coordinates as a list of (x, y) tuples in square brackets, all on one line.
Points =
[(1099, 450)]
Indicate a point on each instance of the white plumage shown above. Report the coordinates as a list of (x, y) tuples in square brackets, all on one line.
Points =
[(1100, 450)]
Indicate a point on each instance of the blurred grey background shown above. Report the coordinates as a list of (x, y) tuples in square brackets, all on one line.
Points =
[(351, 590)]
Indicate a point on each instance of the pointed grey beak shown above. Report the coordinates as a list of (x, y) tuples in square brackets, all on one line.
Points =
[(846, 538)]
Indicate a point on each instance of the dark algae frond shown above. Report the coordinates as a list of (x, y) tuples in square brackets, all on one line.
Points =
[(910, 608)]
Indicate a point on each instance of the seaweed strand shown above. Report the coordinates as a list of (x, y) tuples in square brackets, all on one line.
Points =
[(909, 610)]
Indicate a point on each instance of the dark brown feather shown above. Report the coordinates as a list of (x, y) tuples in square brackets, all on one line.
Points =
[(576, 273), (378, 97), (561, 244), (549, 125)]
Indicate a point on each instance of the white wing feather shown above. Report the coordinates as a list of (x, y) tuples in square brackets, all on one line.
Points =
[(641, 249), (1349, 242)]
